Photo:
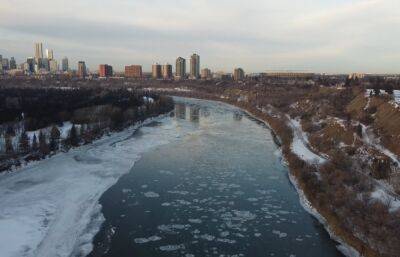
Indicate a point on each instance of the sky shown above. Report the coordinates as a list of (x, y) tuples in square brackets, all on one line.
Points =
[(332, 36)]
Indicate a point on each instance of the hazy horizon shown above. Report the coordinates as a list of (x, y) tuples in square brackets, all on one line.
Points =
[(332, 36)]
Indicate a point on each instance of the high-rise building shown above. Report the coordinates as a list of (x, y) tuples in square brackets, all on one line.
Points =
[(206, 73), (30, 64), (64, 64), (53, 66), (194, 66), (1, 64), (13, 63), (167, 71), (6, 64), (49, 54), (180, 68), (238, 74), (82, 72), (105, 70), (133, 71), (38, 51), (45, 64), (156, 71)]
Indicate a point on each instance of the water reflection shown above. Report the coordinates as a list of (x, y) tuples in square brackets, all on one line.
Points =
[(237, 116), (195, 114), (180, 111)]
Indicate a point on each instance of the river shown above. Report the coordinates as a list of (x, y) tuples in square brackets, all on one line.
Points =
[(221, 189)]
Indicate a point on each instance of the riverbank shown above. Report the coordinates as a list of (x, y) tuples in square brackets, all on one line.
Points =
[(350, 245), (51, 206)]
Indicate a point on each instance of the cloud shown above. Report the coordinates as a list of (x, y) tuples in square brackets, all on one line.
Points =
[(322, 36)]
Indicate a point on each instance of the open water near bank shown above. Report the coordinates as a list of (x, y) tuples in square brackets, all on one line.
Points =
[(221, 190)]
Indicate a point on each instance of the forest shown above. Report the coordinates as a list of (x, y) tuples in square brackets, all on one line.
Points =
[(37, 122)]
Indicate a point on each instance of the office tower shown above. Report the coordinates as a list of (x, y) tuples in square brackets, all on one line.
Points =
[(133, 71), (194, 66), (1, 64), (45, 64), (105, 70), (206, 73), (13, 64), (82, 69), (180, 68), (64, 64), (156, 71), (53, 66), (38, 51), (6, 64), (167, 71), (49, 54), (238, 74), (31, 64)]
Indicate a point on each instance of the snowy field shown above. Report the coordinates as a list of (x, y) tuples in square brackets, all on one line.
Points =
[(50, 208)]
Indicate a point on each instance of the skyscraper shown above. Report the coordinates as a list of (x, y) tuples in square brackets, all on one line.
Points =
[(238, 74), (81, 69), (105, 70), (64, 64), (167, 71), (38, 51), (1, 64), (49, 54), (13, 64), (6, 64), (156, 71), (180, 68), (30, 64), (53, 66), (194, 66)]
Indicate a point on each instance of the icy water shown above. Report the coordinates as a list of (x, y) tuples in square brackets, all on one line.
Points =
[(221, 190)]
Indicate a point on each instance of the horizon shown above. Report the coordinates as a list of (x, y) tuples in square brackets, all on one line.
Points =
[(333, 37)]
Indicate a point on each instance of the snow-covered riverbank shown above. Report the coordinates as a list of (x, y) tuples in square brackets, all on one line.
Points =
[(50, 208)]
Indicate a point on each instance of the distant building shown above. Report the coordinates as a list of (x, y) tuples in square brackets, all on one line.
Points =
[(13, 64), (356, 76), (206, 73), (64, 64), (5, 64), (167, 71), (238, 74), (1, 64), (38, 51), (220, 75), (82, 72), (53, 66), (289, 75), (156, 71), (45, 64), (105, 70), (30, 64), (133, 71), (180, 68), (194, 66), (49, 54)]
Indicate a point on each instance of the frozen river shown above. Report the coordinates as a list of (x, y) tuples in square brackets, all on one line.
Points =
[(207, 182)]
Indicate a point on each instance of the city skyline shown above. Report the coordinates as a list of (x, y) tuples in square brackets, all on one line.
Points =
[(324, 36)]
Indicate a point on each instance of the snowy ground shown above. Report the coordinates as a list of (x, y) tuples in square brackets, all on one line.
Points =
[(50, 208), (300, 145)]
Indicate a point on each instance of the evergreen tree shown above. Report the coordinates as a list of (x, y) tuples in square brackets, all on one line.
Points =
[(35, 146), (73, 138), (54, 138), (24, 144), (43, 146), (9, 145)]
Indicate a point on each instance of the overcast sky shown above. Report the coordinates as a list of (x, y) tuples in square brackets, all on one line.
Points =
[(331, 36)]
